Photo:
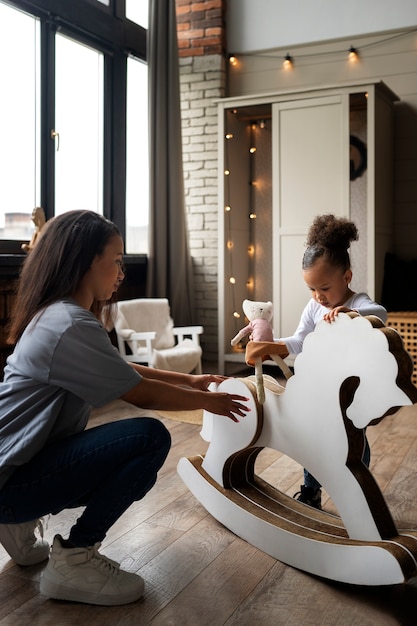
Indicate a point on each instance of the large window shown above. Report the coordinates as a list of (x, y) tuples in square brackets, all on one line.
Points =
[(19, 123), (73, 114), (78, 131)]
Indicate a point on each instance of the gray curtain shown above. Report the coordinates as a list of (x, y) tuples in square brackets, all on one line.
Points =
[(169, 269)]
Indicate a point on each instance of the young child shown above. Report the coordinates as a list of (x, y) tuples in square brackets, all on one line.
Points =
[(327, 273), (62, 365)]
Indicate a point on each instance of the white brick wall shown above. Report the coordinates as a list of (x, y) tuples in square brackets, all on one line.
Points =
[(202, 81)]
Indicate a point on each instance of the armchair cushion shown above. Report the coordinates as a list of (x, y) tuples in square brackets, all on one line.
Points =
[(184, 357)]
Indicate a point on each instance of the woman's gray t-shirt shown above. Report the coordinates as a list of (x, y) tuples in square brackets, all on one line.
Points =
[(62, 366)]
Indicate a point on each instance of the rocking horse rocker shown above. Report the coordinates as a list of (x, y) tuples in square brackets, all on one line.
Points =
[(351, 374)]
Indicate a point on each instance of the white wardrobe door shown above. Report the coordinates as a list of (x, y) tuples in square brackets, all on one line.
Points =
[(311, 177)]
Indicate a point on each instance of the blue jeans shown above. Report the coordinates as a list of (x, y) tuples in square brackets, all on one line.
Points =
[(105, 469), (310, 481)]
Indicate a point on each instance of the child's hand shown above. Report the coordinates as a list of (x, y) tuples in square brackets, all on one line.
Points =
[(333, 313)]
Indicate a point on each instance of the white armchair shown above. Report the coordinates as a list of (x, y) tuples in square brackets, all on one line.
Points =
[(146, 326)]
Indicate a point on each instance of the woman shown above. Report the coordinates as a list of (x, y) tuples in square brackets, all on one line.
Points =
[(62, 365)]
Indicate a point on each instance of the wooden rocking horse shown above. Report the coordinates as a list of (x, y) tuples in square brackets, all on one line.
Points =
[(351, 374)]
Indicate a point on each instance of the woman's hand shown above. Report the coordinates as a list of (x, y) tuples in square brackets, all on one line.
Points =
[(227, 404), (202, 381), (157, 395)]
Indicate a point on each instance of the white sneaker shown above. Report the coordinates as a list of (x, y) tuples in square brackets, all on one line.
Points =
[(85, 575), (21, 543)]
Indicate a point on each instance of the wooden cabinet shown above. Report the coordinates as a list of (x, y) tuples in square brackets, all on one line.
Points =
[(285, 158)]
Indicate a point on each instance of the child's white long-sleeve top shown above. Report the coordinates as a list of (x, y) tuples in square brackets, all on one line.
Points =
[(314, 313)]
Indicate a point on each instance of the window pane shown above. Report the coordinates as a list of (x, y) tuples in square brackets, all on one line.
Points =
[(78, 127), (137, 11), (137, 163), (19, 122)]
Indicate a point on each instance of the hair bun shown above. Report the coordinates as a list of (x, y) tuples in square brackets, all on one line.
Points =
[(329, 231)]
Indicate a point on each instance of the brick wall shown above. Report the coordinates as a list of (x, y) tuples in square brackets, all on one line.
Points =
[(202, 80)]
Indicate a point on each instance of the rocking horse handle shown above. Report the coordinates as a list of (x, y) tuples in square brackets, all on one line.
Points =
[(283, 366), (268, 350)]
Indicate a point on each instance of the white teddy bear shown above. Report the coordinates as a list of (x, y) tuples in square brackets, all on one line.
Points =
[(261, 345), (259, 328)]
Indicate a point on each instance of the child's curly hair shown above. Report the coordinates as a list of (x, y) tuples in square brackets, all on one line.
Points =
[(330, 237)]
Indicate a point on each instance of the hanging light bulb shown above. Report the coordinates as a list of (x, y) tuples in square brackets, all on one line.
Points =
[(252, 216), (353, 55), (232, 59), (236, 315), (226, 172), (227, 208), (229, 136), (288, 62), (232, 280), (252, 150)]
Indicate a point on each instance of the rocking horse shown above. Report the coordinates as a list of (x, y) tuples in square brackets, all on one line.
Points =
[(351, 374)]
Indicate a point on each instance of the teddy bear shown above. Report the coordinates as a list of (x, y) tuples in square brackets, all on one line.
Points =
[(261, 345), (259, 328)]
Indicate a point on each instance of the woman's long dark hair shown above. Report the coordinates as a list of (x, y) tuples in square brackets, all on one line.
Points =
[(330, 237), (54, 268)]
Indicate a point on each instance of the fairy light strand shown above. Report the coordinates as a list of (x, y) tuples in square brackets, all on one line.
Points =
[(228, 218)]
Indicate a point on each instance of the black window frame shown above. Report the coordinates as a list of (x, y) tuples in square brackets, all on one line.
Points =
[(107, 29)]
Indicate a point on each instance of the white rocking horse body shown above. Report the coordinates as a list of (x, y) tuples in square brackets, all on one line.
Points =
[(350, 374)]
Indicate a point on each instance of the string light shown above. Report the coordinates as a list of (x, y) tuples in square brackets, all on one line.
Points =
[(353, 55), (288, 62), (235, 279), (250, 283), (229, 244)]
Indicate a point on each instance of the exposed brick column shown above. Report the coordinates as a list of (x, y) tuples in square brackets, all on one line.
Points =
[(201, 35)]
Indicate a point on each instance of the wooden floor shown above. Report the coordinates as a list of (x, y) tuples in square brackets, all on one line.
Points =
[(198, 573)]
